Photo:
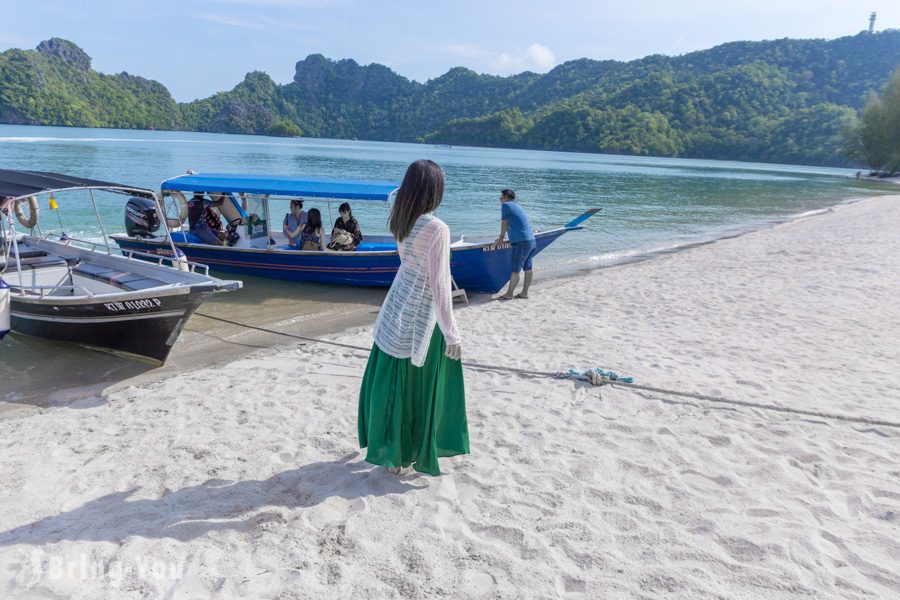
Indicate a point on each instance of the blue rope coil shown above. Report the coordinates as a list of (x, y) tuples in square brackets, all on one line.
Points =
[(610, 375)]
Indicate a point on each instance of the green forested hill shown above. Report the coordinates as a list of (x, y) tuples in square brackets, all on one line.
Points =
[(55, 85), (782, 101)]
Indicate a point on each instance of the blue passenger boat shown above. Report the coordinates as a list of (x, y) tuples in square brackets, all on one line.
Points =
[(258, 246)]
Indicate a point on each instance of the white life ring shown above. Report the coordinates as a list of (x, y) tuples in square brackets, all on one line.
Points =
[(33, 212), (181, 202)]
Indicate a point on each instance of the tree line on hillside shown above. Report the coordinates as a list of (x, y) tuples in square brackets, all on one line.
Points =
[(776, 101), (875, 139)]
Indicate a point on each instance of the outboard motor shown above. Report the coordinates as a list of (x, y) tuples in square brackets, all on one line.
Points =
[(141, 218)]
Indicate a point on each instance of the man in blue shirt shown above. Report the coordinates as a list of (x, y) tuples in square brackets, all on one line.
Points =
[(521, 237)]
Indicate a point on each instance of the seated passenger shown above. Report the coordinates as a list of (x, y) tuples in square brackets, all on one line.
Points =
[(346, 234), (294, 222), (214, 221), (312, 237), (197, 218)]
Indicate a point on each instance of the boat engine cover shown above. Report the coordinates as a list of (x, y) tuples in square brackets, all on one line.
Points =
[(141, 218)]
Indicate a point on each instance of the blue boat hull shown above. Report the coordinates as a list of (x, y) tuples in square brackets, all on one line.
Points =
[(487, 268), (480, 268)]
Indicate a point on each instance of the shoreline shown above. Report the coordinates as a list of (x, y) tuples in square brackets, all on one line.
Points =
[(226, 343), (245, 479), (202, 343)]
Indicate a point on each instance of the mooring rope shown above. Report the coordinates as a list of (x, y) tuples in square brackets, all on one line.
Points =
[(290, 335), (749, 404), (572, 375)]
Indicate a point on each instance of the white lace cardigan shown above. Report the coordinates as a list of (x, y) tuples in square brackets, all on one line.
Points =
[(420, 294)]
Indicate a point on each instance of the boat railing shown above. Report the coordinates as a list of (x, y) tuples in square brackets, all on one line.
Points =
[(39, 290), (173, 262), (159, 259), (68, 238)]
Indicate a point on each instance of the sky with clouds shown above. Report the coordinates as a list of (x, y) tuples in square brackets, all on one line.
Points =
[(200, 47)]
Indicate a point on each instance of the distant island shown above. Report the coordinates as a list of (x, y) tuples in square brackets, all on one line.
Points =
[(786, 101)]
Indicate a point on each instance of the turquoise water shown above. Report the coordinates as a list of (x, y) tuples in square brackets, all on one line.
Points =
[(649, 204)]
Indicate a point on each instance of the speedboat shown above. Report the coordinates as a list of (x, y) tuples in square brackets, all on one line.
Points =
[(477, 263), (62, 288)]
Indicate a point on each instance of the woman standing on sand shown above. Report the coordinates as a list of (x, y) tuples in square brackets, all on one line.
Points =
[(412, 406)]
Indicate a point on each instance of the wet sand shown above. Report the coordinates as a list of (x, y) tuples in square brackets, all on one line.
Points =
[(47, 374), (44, 373)]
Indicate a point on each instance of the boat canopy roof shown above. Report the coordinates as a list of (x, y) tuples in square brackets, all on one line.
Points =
[(275, 185), (17, 184)]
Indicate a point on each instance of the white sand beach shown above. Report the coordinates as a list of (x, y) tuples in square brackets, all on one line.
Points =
[(245, 480)]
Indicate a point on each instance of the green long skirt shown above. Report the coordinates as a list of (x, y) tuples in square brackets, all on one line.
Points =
[(411, 415)]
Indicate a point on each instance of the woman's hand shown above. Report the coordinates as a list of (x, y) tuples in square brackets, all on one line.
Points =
[(454, 351)]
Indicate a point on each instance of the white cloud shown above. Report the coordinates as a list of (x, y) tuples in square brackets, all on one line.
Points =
[(535, 57), (230, 21), (250, 22)]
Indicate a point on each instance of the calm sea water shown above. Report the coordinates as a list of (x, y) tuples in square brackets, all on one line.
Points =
[(648, 203)]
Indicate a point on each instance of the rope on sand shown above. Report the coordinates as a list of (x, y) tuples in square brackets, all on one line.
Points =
[(591, 376), (759, 405), (290, 335), (598, 377)]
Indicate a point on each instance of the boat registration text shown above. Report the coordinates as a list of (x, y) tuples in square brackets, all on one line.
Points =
[(132, 305)]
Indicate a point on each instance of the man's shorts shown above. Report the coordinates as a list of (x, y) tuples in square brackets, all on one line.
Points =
[(522, 253), (203, 231)]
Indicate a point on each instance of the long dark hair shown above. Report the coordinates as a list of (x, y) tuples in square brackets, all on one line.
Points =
[(421, 191), (313, 220), (345, 206)]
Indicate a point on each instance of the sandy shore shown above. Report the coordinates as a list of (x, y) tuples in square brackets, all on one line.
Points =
[(48, 373), (244, 479)]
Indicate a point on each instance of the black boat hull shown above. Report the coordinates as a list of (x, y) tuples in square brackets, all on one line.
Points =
[(143, 328)]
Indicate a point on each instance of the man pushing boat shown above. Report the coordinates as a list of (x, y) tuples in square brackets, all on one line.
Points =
[(521, 237)]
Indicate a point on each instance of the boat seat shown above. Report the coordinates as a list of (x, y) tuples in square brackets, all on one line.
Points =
[(377, 247), (36, 260), (185, 237), (370, 247), (122, 279), (30, 253)]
